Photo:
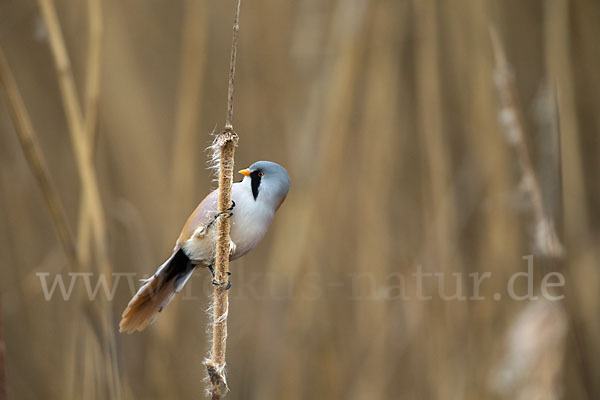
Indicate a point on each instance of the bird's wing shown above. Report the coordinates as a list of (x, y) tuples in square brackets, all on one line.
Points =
[(201, 216)]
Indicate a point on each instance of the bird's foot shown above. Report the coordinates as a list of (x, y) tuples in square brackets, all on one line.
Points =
[(226, 214), (215, 281), (232, 206), (228, 211), (201, 231), (219, 284)]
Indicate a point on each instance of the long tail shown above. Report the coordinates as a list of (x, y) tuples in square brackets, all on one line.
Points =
[(157, 292)]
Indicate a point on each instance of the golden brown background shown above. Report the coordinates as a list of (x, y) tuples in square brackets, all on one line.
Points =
[(386, 115)]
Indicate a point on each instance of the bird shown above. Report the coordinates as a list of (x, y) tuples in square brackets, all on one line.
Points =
[(255, 199)]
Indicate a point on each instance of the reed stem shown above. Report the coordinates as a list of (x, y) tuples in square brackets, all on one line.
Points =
[(224, 148)]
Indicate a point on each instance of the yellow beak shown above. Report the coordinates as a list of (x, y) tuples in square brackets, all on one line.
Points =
[(245, 172)]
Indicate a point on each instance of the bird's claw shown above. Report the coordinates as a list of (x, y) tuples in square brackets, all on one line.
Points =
[(227, 211), (215, 281), (218, 284), (227, 214), (232, 206)]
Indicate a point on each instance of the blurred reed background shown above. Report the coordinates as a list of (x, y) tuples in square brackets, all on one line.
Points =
[(389, 116)]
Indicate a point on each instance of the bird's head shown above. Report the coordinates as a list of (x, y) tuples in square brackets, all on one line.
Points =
[(268, 181)]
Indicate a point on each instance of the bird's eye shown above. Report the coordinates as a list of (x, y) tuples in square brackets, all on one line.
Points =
[(260, 174)]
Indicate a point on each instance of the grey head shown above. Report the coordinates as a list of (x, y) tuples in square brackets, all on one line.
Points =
[(269, 182)]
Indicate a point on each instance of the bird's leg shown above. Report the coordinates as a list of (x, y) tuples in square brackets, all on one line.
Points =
[(232, 245), (201, 231), (215, 281), (211, 269), (228, 211)]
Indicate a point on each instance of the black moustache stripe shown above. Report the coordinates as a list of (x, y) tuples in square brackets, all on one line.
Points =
[(255, 183)]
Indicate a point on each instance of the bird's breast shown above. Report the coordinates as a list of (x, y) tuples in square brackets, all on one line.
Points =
[(249, 222)]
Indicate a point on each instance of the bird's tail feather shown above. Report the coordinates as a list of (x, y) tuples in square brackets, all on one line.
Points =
[(157, 292)]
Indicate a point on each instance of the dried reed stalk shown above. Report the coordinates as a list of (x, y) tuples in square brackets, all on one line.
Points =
[(91, 100), (37, 162), (559, 31), (84, 228), (85, 166), (542, 353), (191, 84), (223, 148), (546, 239), (2, 369), (75, 121)]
